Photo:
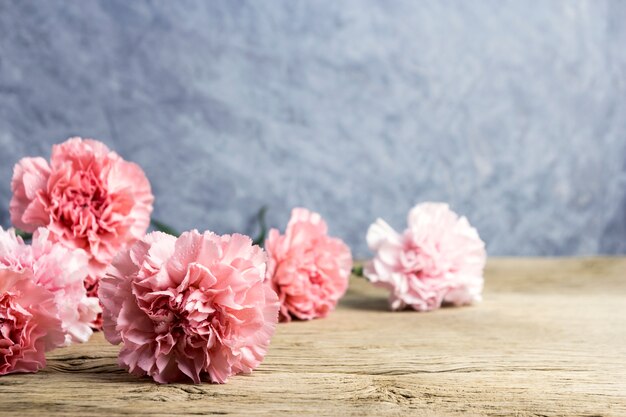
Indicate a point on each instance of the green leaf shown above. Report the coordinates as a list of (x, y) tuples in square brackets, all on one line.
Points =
[(24, 235), (358, 271), (162, 227), (260, 239)]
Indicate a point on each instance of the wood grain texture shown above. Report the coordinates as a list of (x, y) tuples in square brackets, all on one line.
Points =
[(549, 339)]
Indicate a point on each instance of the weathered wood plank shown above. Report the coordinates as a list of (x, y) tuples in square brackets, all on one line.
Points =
[(549, 339)]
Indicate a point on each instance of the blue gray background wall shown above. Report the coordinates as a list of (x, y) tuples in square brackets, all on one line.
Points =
[(513, 112)]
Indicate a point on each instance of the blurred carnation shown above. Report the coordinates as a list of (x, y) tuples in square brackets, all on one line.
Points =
[(60, 270), (439, 259), (308, 269), (29, 324), (88, 197), (189, 308)]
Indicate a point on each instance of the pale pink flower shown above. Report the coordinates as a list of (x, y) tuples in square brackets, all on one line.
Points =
[(308, 269), (87, 196), (190, 308), (60, 270), (29, 324), (438, 259)]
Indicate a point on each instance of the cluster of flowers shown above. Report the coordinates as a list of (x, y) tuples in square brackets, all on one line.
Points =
[(199, 306)]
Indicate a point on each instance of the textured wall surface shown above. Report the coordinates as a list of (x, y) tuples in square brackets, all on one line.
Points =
[(514, 113)]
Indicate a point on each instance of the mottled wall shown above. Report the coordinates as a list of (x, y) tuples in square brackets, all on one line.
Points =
[(514, 112)]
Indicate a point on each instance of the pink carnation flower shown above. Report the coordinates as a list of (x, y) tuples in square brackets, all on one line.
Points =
[(439, 259), (59, 270), (189, 308), (88, 197), (29, 325), (308, 269)]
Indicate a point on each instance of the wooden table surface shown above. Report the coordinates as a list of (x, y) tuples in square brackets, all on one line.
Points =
[(549, 339)]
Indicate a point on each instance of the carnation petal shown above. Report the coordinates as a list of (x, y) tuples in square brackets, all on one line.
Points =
[(380, 233)]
